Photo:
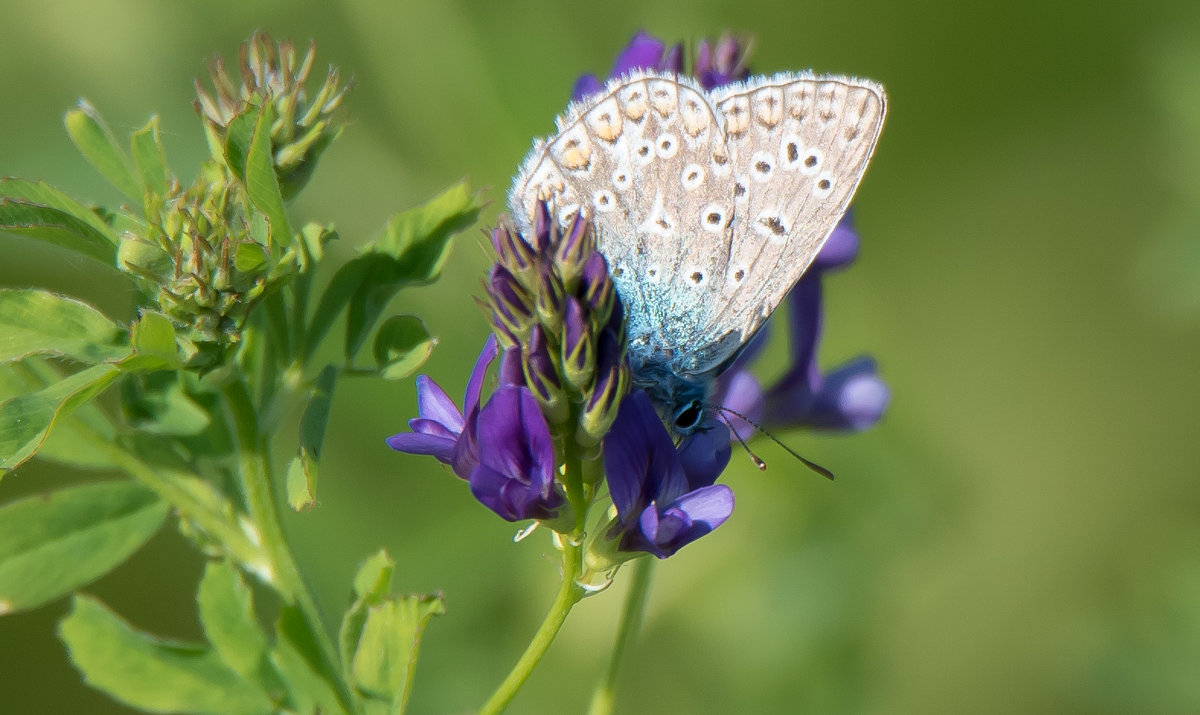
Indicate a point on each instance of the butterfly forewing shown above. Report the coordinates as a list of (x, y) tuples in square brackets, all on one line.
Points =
[(708, 206)]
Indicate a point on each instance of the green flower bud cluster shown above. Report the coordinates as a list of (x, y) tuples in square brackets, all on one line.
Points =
[(270, 71), (200, 261)]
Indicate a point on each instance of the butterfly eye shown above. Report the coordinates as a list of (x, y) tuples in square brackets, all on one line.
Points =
[(688, 416)]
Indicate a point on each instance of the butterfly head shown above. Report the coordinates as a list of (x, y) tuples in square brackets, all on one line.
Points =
[(679, 399)]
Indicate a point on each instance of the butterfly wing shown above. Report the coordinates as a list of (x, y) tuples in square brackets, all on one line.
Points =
[(640, 158), (708, 207), (799, 145)]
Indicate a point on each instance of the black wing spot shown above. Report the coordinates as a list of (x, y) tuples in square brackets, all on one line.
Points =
[(793, 152), (774, 224), (810, 161), (697, 277), (824, 184)]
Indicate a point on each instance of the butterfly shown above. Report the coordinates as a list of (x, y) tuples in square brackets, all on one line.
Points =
[(707, 205)]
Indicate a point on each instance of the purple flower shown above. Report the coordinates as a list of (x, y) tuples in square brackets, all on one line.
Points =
[(644, 52), (515, 473), (441, 429), (665, 498), (850, 397), (716, 63)]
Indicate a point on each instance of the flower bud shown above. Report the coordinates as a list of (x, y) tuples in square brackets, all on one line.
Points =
[(578, 357), (541, 377), (511, 307)]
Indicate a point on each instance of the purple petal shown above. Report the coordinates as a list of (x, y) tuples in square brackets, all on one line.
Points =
[(665, 531), (840, 249), (514, 437), (434, 404), (672, 61), (421, 425), (639, 458), (743, 398), (585, 86), (804, 331), (475, 384), (644, 51), (705, 453), (511, 372), (416, 443)]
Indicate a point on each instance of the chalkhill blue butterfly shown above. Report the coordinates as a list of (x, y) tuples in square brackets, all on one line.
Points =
[(707, 205)]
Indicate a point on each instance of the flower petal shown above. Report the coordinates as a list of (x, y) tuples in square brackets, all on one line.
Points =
[(434, 404), (639, 458), (644, 51), (705, 453), (417, 443), (475, 384)]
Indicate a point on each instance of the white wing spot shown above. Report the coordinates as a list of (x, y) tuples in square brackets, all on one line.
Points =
[(668, 145), (692, 177), (773, 225), (791, 152), (566, 213), (721, 165), (605, 120), (762, 166), (643, 152), (712, 218), (811, 161), (604, 200), (622, 179)]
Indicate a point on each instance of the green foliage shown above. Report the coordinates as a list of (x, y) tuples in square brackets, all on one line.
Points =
[(381, 635), (219, 353), (150, 673), (52, 544)]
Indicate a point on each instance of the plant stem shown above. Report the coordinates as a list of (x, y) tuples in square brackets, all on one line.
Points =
[(631, 620), (569, 591), (255, 471)]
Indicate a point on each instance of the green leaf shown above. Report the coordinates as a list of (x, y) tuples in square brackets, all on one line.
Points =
[(154, 346), (401, 346), (307, 692), (73, 440), (100, 148), (151, 673), (37, 321), (43, 194), (386, 657), (150, 158), (227, 615), (158, 403), (371, 585), (25, 420), (302, 472), (55, 226), (249, 156), (411, 251), (51, 544), (299, 660)]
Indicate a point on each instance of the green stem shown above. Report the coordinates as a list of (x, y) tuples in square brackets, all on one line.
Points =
[(631, 620), (569, 591), (259, 490)]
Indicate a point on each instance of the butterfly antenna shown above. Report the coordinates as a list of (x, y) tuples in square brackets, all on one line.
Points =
[(762, 466), (811, 465)]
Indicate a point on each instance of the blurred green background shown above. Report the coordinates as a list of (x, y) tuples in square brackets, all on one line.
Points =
[(1020, 534)]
